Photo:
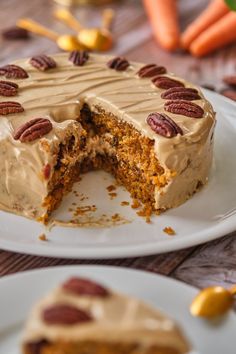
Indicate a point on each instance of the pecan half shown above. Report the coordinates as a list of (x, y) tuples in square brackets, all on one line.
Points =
[(186, 108), (15, 32), (118, 63), (43, 62), (10, 107), (13, 72), (64, 315), (79, 57), (81, 286), (32, 130), (151, 70), (8, 88), (165, 82), (181, 93), (230, 80), (163, 125)]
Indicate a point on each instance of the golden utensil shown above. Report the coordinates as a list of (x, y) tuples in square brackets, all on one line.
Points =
[(65, 42), (213, 301), (93, 38)]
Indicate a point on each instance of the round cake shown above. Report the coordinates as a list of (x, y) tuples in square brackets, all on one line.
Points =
[(66, 114), (82, 316)]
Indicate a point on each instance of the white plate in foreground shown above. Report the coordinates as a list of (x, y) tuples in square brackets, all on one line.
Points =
[(209, 214), (19, 292)]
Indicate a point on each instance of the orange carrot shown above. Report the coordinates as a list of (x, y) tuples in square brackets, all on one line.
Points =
[(219, 34), (215, 10), (164, 21)]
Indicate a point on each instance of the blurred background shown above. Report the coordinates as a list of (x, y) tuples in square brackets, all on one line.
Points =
[(131, 31)]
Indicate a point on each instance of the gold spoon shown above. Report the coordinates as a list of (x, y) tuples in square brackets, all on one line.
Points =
[(93, 38), (213, 301), (66, 42)]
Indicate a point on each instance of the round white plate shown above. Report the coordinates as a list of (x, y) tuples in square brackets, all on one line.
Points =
[(209, 214), (19, 292)]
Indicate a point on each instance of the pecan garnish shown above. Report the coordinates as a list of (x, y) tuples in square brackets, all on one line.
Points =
[(230, 80), (8, 88), (163, 125), (229, 93), (15, 33), (79, 57), (151, 70), (186, 108), (118, 63), (32, 130), (43, 62), (164, 82), (81, 286), (10, 107), (64, 315), (13, 72), (181, 93)]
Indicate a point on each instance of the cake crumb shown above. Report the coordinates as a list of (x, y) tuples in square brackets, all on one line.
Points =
[(145, 212), (116, 217), (85, 209), (42, 237), (136, 204), (113, 195), (124, 203), (168, 230), (111, 188)]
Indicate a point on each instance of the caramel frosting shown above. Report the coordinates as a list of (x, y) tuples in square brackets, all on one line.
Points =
[(58, 95), (115, 318)]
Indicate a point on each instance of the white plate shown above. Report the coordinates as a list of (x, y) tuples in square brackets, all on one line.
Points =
[(210, 214), (19, 292)]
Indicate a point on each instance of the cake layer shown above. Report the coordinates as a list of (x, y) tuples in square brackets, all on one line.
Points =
[(60, 93)]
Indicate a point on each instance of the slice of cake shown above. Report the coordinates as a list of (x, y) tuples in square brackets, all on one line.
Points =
[(67, 114), (82, 316)]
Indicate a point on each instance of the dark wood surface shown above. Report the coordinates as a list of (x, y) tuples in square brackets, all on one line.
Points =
[(212, 263)]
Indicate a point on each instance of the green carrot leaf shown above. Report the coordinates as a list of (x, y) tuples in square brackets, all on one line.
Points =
[(231, 4)]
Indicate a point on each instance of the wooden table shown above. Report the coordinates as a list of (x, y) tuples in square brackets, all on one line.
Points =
[(201, 266)]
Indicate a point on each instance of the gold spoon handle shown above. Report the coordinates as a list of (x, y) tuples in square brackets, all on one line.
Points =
[(35, 27), (107, 18), (66, 16), (233, 290)]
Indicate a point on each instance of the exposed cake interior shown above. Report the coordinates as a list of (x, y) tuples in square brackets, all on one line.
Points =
[(101, 141)]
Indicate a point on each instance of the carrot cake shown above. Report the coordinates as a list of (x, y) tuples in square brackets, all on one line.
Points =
[(67, 114), (82, 316)]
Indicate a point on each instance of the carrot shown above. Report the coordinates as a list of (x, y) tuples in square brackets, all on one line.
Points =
[(164, 21), (215, 10), (219, 34)]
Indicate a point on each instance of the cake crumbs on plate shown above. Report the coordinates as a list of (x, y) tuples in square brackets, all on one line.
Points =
[(85, 209), (124, 203), (168, 230), (42, 237)]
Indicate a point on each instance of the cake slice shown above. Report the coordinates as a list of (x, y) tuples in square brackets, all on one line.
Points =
[(82, 316), (64, 115)]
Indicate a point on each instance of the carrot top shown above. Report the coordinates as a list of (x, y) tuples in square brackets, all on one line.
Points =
[(231, 4)]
